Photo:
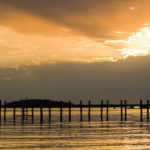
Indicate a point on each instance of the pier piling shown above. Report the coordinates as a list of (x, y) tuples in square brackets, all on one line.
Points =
[(32, 115), (89, 111), (5, 109), (26, 108), (14, 113), (61, 112), (69, 111), (101, 110), (22, 115), (107, 111), (141, 111), (125, 114), (50, 116), (41, 114), (81, 117), (147, 110), (121, 107), (26, 112), (0, 110)]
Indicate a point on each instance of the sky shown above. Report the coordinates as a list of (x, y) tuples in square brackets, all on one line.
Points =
[(75, 49)]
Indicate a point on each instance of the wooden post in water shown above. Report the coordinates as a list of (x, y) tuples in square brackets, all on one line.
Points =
[(50, 116), (32, 109), (61, 112), (69, 111), (0, 110), (89, 111), (101, 110), (41, 114), (22, 116), (5, 111), (26, 108), (141, 111), (125, 106), (147, 110), (14, 113), (81, 118), (107, 111), (121, 107)]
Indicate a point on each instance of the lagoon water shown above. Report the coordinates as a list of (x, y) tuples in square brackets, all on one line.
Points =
[(94, 135)]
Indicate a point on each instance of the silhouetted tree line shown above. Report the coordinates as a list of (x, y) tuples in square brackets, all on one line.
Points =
[(38, 103)]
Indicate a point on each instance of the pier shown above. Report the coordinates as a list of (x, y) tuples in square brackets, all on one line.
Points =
[(27, 108)]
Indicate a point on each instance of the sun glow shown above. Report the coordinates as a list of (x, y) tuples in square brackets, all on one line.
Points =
[(137, 44)]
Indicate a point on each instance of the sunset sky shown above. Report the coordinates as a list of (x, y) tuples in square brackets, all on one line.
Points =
[(75, 49)]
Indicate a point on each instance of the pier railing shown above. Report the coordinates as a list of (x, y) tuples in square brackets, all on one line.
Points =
[(124, 106)]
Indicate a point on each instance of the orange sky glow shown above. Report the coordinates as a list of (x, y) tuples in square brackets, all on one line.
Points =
[(86, 34), (75, 49)]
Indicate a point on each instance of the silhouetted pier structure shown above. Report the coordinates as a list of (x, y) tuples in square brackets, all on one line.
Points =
[(25, 107)]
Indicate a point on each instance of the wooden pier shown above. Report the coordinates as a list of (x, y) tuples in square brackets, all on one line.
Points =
[(124, 106)]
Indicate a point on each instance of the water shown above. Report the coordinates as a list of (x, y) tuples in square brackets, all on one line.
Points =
[(94, 135)]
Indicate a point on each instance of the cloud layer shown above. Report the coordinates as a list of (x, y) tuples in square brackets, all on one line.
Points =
[(94, 18), (108, 80), (37, 31)]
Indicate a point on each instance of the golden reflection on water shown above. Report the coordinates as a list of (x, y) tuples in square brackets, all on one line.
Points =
[(75, 135)]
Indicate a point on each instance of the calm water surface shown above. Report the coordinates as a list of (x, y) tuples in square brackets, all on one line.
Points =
[(94, 135)]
